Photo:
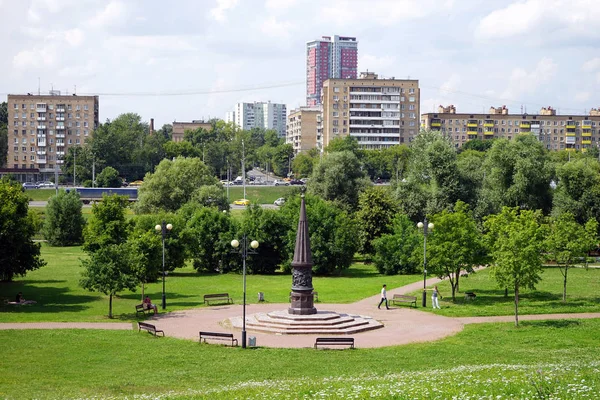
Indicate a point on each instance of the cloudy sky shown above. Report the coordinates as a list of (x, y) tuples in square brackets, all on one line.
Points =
[(192, 59)]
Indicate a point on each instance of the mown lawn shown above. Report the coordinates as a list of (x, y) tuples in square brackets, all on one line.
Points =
[(59, 298), (261, 194), (583, 295), (492, 361)]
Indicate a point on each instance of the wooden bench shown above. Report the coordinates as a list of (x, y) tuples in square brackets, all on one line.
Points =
[(150, 328), (218, 297), (217, 336), (139, 308), (470, 296), (315, 296), (335, 341), (402, 298)]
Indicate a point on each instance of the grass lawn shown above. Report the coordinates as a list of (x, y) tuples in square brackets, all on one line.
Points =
[(59, 297), (261, 194), (583, 295), (40, 194), (489, 361)]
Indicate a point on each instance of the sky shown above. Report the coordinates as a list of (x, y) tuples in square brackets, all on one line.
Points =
[(194, 59)]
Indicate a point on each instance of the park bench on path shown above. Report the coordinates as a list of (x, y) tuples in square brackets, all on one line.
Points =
[(150, 328), (335, 341), (218, 297), (470, 296), (218, 336), (139, 308), (402, 298)]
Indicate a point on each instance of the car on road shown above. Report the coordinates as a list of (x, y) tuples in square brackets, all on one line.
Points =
[(279, 182), (45, 185), (30, 185), (280, 201), (224, 183), (296, 182), (242, 202), (136, 183)]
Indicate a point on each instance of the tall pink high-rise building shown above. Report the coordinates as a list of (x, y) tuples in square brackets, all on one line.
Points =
[(326, 58)]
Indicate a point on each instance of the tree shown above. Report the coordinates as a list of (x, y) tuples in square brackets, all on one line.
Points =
[(347, 143), (173, 184), (108, 271), (569, 241), (270, 228), (396, 252), (64, 221), (578, 190), (517, 174), (478, 145), (332, 234), (516, 239), (281, 160), (339, 178), (181, 149), (454, 245), (211, 196), (18, 252), (469, 164), (376, 210), (303, 163), (109, 178), (107, 225), (208, 235)]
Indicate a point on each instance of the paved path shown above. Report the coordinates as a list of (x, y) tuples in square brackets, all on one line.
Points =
[(402, 324)]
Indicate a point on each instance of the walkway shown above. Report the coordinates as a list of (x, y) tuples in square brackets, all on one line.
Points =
[(402, 324)]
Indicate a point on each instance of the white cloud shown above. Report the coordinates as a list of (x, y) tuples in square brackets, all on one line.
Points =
[(36, 58), (279, 5), (276, 29), (582, 96), (89, 69), (591, 65), (598, 77), (348, 13), (376, 64), (113, 13), (524, 82), (218, 12), (74, 37), (562, 19)]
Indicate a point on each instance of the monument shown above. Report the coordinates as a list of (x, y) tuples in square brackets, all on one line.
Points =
[(302, 289)]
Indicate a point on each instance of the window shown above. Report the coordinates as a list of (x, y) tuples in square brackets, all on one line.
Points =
[(23, 106), (31, 106), (335, 114), (412, 115), (69, 108), (335, 90), (85, 107), (411, 90), (16, 106), (78, 108), (77, 115), (50, 106), (411, 107)]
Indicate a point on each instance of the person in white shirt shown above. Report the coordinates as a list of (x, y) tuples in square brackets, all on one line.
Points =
[(434, 297), (383, 298)]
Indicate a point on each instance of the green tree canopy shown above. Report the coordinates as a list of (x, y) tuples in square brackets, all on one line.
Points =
[(107, 225), (516, 239), (109, 178), (64, 221), (18, 252), (376, 210), (303, 163), (397, 252), (173, 184)]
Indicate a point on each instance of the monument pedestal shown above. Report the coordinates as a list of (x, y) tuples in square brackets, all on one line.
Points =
[(302, 303)]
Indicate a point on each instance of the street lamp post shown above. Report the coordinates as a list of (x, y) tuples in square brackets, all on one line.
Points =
[(244, 251), (426, 227), (163, 229)]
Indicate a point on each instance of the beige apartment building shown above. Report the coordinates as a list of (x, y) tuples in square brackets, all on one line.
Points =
[(302, 128), (378, 112), (41, 128), (179, 128), (557, 132)]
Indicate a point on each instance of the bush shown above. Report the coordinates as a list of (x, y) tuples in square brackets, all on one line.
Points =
[(396, 252), (64, 223), (109, 177)]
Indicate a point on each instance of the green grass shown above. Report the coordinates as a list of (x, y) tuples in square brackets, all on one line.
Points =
[(40, 194), (261, 194), (583, 295), (59, 298), (485, 361)]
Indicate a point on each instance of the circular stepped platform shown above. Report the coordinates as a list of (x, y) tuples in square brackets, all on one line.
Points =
[(323, 322)]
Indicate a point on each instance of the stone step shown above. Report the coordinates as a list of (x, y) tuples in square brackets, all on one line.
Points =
[(266, 318), (345, 325), (324, 331)]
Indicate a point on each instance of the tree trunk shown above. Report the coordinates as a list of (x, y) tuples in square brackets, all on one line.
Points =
[(565, 285), (516, 304), (505, 292), (110, 306)]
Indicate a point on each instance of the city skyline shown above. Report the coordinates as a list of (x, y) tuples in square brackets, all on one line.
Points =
[(145, 58)]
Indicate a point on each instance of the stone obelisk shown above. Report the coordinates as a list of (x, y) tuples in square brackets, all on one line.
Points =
[(302, 289)]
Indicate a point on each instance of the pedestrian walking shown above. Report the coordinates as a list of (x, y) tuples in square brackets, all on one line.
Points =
[(383, 298), (434, 297)]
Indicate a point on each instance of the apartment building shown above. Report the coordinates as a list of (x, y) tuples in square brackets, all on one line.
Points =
[(41, 128), (556, 131), (260, 115), (327, 58), (378, 112), (179, 128), (302, 128)]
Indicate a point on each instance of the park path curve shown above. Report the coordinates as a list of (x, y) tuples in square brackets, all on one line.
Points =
[(402, 324)]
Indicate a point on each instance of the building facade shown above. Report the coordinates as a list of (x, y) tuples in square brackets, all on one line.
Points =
[(179, 128), (327, 58), (41, 128), (302, 128), (379, 113), (557, 132), (260, 115)]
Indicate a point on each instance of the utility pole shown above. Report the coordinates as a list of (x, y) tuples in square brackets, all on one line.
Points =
[(244, 167), (93, 171), (74, 163)]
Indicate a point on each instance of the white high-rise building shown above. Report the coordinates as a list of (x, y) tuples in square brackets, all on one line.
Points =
[(259, 115)]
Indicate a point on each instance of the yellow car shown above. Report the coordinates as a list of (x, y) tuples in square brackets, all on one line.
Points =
[(136, 183), (242, 202)]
